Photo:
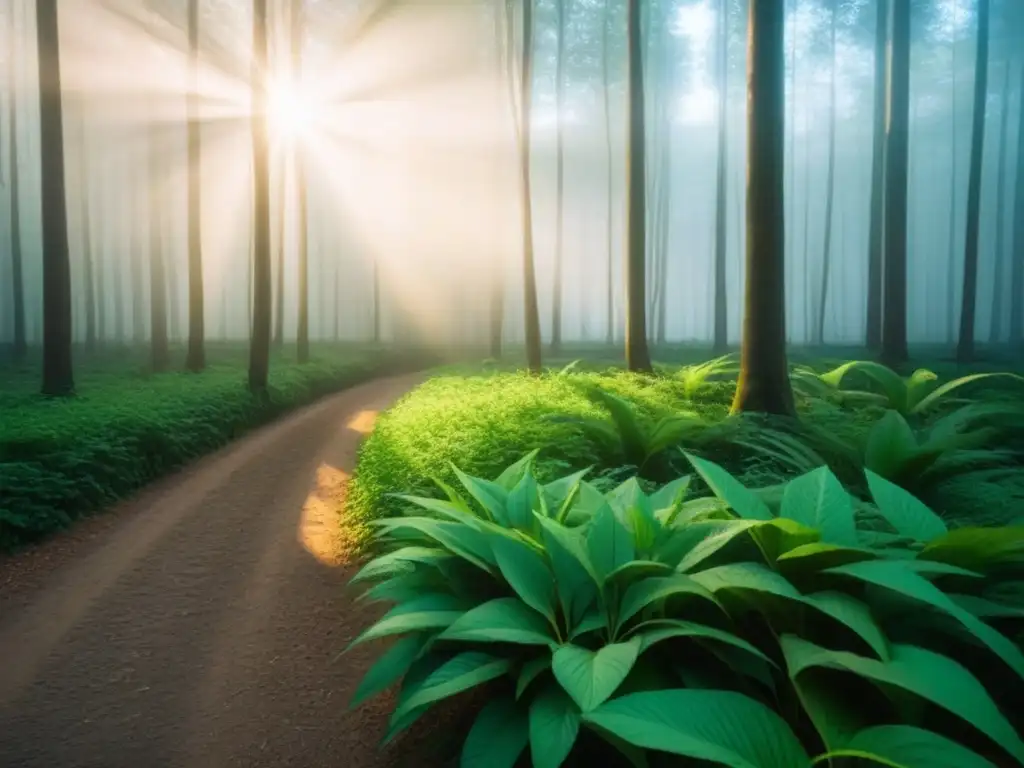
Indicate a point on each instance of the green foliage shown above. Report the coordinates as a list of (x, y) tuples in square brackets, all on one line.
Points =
[(63, 459), (714, 629)]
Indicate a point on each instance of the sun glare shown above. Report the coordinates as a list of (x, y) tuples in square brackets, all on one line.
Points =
[(291, 113)]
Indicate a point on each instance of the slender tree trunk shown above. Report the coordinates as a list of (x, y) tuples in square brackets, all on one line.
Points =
[(17, 268), (531, 310), (87, 257), (951, 237), (337, 302), (877, 212), (282, 183), (376, 301), (1017, 266), (161, 357), (763, 384), (721, 337), (830, 192), (136, 249), (637, 355), (556, 303), (894, 325), (259, 352), (58, 378), (998, 289), (609, 169), (117, 273), (497, 305), (298, 31), (791, 212), (196, 359), (965, 348)]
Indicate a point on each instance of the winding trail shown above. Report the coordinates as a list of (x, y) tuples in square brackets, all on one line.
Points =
[(200, 623)]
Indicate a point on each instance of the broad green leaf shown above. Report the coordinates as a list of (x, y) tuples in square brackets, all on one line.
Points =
[(818, 500), (854, 614), (724, 532), (892, 383), (722, 727), (747, 576), (402, 559), (453, 496), (890, 445), (638, 569), (744, 502), (558, 491), (904, 746), (903, 511), (504, 620), (627, 494), (489, 495), (669, 498), (896, 576), (441, 507), (609, 542), (641, 594), (949, 386), (652, 632), (389, 668), (520, 503), (404, 587), (645, 528), (590, 677), (778, 536), (595, 619), (818, 556), (575, 579), (986, 609), (529, 672), (426, 612), (977, 548), (554, 726), (513, 473), (931, 676), (468, 543), (465, 671), (526, 572), (498, 736)]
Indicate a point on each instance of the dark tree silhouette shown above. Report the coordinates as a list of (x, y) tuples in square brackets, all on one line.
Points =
[(17, 268), (830, 192), (298, 30), (998, 288), (877, 212), (196, 359), (1017, 265), (262, 304), (556, 300), (721, 337), (530, 308), (58, 377), (88, 270), (160, 357), (763, 384), (609, 170)]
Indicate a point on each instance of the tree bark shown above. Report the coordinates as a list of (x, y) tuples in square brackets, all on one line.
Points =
[(1017, 266), (58, 377), (951, 237), (830, 192), (721, 333), (877, 211), (259, 351), (301, 222), (196, 358), (282, 183), (17, 268), (609, 227), (965, 348), (556, 301), (88, 275), (160, 352), (531, 310), (763, 384), (998, 289), (894, 316)]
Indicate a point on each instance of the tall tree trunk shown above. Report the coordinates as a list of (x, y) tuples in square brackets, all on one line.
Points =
[(117, 273), (951, 237), (637, 355), (877, 212), (259, 351), (965, 348), (298, 30), (721, 335), (58, 377), (160, 353), (998, 289), (282, 184), (531, 310), (791, 213), (376, 300), (17, 268), (830, 192), (763, 384), (1017, 265), (497, 305), (556, 301), (136, 250), (87, 257), (894, 316), (196, 358), (337, 301), (609, 226)]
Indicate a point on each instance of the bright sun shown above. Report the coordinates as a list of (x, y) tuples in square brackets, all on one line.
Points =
[(290, 111)]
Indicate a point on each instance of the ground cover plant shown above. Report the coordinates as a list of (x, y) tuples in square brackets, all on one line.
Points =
[(713, 629), (64, 458)]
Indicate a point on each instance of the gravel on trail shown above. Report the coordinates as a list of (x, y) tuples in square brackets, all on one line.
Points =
[(201, 623)]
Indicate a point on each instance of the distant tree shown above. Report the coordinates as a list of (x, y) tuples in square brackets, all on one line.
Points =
[(894, 315), (196, 359), (954, 154), (609, 170), (721, 333), (1017, 264), (530, 308), (965, 347), (135, 253), (58, 377), (17, 268), (160, 357), (279, 252), (830, 191), (262, 305), (556, 301), (637, 356), (877, 210), (298, 33), (998, 288), (88, 270), (763, 384)]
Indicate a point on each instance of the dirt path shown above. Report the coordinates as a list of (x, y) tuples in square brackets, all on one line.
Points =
[(199, 624)]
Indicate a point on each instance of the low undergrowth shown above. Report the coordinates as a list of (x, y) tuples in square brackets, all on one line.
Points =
[(61, 459)]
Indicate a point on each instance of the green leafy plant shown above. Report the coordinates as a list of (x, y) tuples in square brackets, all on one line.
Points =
[(709, 628), (696, 378)]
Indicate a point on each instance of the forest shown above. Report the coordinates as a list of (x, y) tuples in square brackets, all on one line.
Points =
[(507, 383)]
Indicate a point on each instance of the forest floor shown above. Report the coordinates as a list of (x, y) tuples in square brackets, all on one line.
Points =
[(200, 623)]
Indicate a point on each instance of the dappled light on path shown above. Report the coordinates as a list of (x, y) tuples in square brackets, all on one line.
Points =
[(363, 422), (318, 530)]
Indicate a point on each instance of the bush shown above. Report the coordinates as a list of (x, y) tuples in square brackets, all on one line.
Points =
[(708, 628), (62, 459)]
